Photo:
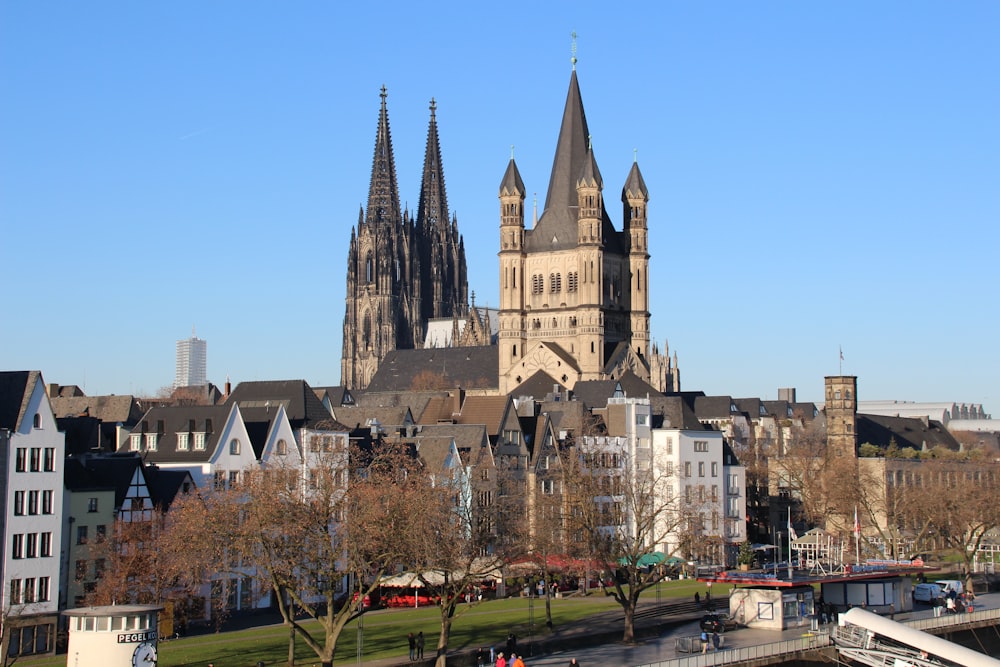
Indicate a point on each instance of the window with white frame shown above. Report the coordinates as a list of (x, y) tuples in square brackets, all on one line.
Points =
[(199, 442), (18, 503), (46, 545), (701, 445), (701, 468), (92, 504), (182, 442), (33, 502), (44, 589), (15, 591), (687, 468), (234, 447), (715, 468), (50, 459), (21, 460), (17, 549), (733, 508), (135, 443), (36, 459), (151, 439), (31, 545), (47, 501)]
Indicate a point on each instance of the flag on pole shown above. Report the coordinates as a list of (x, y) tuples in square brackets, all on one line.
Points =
[(792, 535), (857, 526), (841, 354)]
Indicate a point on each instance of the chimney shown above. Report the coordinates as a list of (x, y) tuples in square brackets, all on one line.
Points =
[(787, 394), (457, 398), (228, 389)]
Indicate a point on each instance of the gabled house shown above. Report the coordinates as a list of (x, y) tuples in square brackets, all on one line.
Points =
[(33, 451), (210, 442)]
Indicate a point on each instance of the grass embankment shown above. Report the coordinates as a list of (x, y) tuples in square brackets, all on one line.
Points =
[(385, 631)]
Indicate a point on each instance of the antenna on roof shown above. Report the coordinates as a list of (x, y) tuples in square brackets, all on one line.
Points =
[(573, 50)]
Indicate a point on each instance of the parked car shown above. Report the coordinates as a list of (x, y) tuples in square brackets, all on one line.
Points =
[(951, 586), (718, 623), (932, 594)]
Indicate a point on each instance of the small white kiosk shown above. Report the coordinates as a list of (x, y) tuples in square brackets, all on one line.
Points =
[(114, 636)]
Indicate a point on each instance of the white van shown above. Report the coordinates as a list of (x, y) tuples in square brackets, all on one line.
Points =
[(928, 594), (949, 585)]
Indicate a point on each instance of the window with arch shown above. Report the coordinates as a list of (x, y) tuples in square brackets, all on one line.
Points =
[(234, 446), (281, 449), (537, 284), (37, 421), (366, 332), (572, 281), (555, 283), (369, 268)]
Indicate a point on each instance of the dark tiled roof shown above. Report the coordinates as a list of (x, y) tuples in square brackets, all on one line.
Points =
[(165, 484), (485, 410), (594, 393), (511, 182), (180, 419), (713, 407), (338, 395), (111, 471), (677, 413), (112, 409), (906, 432), (259, 400), (14, 395), (538, 386), (361, 416), (471, 368)]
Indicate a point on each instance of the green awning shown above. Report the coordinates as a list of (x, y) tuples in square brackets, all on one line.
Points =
[(647, 560)]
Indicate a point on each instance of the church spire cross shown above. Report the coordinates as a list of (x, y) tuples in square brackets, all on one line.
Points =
[(573, 49), (434, 107), (512, 151)]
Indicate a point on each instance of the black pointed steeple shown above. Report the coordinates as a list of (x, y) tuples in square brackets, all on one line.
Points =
[(432, 212), (383, 193)]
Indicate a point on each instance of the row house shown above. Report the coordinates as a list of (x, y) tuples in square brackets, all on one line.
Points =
[(32, 527), (101, 491)]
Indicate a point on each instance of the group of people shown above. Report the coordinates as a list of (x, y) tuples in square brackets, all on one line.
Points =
[(416, 646), (712, 639)]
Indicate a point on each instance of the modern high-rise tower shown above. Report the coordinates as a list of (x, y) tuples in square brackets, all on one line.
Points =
[(191, 361)]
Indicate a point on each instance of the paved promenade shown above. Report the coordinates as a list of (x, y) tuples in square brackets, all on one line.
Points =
[(655, 647)]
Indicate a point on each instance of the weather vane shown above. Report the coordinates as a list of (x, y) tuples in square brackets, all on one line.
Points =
[(573, 49)]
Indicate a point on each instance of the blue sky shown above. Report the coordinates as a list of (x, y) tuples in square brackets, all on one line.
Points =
[(821, 175)]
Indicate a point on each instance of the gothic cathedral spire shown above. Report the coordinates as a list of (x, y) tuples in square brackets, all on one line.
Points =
[(400, 272)]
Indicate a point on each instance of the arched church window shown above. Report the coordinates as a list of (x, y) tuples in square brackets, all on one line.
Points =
[(366, 333), (555, 282), (369, 268)]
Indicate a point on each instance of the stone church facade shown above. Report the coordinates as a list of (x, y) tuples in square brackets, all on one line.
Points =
[(401, 271), (574, 290)]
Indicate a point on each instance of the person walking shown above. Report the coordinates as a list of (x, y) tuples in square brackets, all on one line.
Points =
[(697, 599), (517, 661), (704, 642), (511, 644), (413, 646), (420, 645), (501, 661), (716, 640)]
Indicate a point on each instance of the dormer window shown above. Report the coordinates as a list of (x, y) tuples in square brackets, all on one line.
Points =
[(151, 442), (182, 442), (135, 443), (199, 442), (37, 421)]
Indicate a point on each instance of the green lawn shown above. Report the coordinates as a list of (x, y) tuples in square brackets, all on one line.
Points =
[(385, 631)]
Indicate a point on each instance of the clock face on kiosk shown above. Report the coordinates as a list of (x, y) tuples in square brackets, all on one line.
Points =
[(144, 655)]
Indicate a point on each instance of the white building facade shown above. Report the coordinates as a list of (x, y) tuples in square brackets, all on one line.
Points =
[(33, 454)]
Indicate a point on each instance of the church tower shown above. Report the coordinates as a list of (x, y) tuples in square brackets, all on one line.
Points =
[(444, 277), (401, 272), (573, 289), (842, 415)]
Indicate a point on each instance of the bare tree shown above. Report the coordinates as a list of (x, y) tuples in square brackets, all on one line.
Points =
[(960, 501), (622, 509)]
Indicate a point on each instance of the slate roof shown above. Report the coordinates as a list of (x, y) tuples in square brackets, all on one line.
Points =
[(538, 386), (713, 407), (880, 431), (556, 228), (165, 484), (110, 409), (360, 416), (208, 419), (258, 400), (677, 413), (15, 392), (465, 367), (485, 410), (114, 471), (338, 395)]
